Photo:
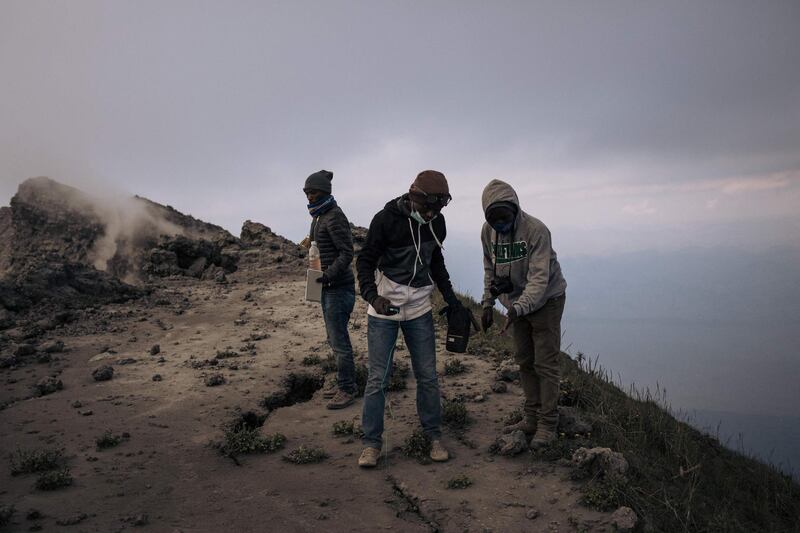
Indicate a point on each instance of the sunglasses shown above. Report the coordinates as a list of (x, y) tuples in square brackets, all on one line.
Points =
[(434, 201)]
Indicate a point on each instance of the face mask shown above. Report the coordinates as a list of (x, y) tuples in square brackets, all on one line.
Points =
[(419, 218), (503, 228)]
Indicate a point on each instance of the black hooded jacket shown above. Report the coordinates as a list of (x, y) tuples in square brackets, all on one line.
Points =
[(391, 247)]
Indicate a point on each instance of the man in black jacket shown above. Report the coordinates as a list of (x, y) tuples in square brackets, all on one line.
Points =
[(404, 249), (331, 231)]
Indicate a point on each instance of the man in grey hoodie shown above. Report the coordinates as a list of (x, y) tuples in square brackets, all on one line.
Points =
[(522, 271)]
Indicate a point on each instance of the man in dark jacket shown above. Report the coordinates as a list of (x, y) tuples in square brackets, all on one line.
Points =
[(521, 268), (331, 231), (404, 249)]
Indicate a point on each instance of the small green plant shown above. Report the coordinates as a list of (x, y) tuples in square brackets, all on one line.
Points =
[(306, 455), (603, 495), (242, 435), (109, 440), (30, 461), (248, 440), (311, 360), (345, 428), (459, 482), (454, 367), (455, 414), (54, 479), (417, 446), (6, 512)]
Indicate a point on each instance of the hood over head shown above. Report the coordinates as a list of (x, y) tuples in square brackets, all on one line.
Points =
[(499, 191)]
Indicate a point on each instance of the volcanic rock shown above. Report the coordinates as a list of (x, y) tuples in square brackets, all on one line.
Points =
[(104, 373)]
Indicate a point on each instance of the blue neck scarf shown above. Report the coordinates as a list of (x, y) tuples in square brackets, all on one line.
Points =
[(321, 206)]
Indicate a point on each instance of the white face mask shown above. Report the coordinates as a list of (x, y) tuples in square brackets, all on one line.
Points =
[(419, 218)]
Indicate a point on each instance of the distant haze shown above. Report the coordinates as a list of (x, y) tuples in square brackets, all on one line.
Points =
[(659, 141)]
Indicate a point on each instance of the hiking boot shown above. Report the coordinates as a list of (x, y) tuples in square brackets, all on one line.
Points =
[(341, 400), (369, 457), (544, 437), (528, 425), (438, 452), (331, 387)]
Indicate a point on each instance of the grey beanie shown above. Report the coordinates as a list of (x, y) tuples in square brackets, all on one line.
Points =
[(320, 180)]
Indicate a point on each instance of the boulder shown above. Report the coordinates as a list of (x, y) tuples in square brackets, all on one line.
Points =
[(104, 373), (601, 462), (512, 444), (624, 519)]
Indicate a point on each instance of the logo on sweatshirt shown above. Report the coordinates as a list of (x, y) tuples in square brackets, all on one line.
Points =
[(508, 252)]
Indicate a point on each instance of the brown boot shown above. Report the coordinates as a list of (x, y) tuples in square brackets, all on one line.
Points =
[(527, 424), (341, 400), (545, 436)]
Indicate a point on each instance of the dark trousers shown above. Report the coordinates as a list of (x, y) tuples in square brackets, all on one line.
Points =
[(337, 305), (537, 340)]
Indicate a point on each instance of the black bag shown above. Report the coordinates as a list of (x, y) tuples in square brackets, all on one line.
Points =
[(460, 320)]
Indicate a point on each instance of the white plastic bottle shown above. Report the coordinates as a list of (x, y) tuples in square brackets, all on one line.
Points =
[(314, 262)]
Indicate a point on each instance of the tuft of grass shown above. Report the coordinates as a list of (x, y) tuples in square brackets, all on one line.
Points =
[(459, 482), (54, 479), (603, 495), (242, 435), (417, 446), (31, 461), (311, 360), (455, 414), (109, 440), (345, 428), (6, 512), (454, 367), (226, 354), (306, 455)]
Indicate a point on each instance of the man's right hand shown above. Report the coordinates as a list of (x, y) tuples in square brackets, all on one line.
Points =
[(487, 318), (381, 305)]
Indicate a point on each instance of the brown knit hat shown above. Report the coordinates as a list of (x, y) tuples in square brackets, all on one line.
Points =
[(430, 182)]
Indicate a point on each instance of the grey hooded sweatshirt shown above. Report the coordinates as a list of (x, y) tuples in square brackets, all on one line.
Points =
[(525, 254)]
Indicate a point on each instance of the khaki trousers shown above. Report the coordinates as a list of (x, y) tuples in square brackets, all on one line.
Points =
[(537, 340)]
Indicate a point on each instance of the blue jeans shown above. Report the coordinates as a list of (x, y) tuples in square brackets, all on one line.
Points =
[(337, 304), (420, 338)]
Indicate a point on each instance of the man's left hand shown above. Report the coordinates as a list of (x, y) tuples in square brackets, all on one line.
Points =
[(511, 316), (324, 280)]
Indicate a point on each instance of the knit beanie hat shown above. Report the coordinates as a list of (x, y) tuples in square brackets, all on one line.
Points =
[(320, 180), (430, 182)]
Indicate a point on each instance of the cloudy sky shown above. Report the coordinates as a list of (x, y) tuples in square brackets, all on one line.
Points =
[(624, 125)]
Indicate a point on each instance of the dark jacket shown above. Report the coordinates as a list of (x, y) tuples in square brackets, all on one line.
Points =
[(391, 247), (332, 232)]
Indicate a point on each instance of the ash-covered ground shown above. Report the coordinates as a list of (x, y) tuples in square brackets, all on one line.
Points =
[(143, 352)]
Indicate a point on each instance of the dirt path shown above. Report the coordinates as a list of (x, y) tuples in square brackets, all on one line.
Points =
[(166, 477)]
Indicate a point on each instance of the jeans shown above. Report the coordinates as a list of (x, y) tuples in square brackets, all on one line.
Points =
[(337, 304), (420, 339)]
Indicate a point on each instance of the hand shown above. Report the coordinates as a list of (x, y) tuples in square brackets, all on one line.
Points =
[(324, 280), (511, 316), (487, 318), (381, 305)]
